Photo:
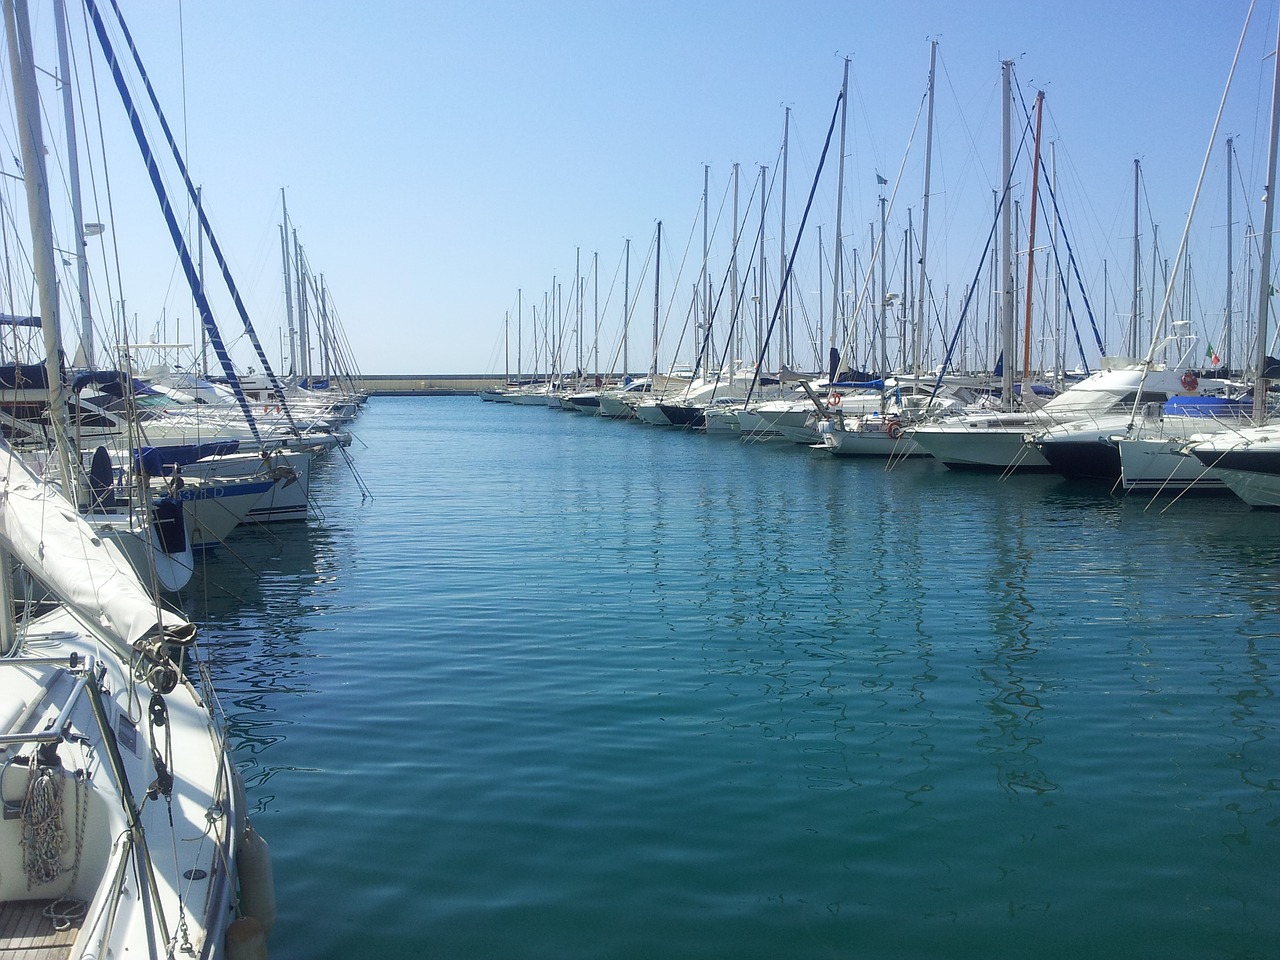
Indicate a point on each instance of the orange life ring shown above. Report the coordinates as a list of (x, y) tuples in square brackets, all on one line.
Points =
[(833, 400), (1189, 381)]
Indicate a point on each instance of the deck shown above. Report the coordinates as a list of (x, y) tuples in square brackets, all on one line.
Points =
[(27, 934)]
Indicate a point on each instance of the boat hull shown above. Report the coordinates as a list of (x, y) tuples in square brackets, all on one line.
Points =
[(996, 447), (1159, 466)]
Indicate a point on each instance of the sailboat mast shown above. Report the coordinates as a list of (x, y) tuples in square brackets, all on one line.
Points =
[(31, 138), (304, 340), (657, 293), (595, 307), (1006, 239), (837, 287), (324, 327), (1264, 278), (918, 346), (1031, 253), (884, 293), (519, 330), (73, 175), (704, 329), (626, 308), (817, 344), (735, 326), (288, 286), (1227, 332), (760, 277), (786, 353), (1137, 259), (577, 295)]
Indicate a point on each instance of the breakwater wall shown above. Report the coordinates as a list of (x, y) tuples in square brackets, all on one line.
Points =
[(427, 384)]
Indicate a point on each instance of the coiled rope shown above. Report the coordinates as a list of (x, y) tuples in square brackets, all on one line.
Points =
[(43, 838)]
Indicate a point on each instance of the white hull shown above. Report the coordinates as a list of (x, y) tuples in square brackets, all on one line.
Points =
[(755, 426), (615, 407), (1158, 466), (143, 849), (1255, 489), (649, 412), (723, 423), (868, 439), (995, 443)]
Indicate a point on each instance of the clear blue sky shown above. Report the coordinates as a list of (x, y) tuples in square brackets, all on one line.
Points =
[(440, 156)]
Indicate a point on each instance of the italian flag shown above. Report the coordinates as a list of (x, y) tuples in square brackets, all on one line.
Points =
[(1212, 355)]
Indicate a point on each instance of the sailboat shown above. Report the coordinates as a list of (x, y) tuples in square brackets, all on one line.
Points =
[(1140, 448), (124, 829), (124, 814), (1248, 460)]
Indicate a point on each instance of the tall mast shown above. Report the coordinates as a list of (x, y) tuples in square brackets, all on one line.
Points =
[(304, 339), (31, 138), (1226, 346), (288, 287), (204, 334), (1008, 345), (73, 174), (837, 288), (760, 277), (884, 292), (918, 345), (577, 295), (1059, 341), (325, 334), (735, 326), (704, 338), (595, 340), (786, 353), (626, 309), (1264, 278), (817, 344), (1031, 253), (519, 330), (1137, 257), (657, 293)]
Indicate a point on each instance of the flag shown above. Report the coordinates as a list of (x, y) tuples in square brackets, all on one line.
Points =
[(881, 181), (1212, 355)]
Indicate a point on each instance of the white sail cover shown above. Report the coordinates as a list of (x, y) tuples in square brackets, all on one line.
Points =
[(88, 574)]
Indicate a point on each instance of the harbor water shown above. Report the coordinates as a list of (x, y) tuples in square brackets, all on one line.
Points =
[(573, 688)]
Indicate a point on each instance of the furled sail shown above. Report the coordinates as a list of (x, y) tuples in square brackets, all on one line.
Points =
[(43, 531)]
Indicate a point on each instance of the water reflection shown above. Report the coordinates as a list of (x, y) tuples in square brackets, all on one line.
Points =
[(672, 697), (255, 599)]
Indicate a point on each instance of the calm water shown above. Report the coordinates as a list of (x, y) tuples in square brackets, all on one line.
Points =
[(570, 688)]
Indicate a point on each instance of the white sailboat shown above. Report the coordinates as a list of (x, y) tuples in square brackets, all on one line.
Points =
[(123, 830), (123, 823)]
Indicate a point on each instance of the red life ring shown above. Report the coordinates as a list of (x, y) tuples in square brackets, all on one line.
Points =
[(833, 400), (1189, 381)]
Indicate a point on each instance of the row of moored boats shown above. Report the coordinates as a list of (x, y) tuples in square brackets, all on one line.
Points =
[(1139, 426), (125, 829)]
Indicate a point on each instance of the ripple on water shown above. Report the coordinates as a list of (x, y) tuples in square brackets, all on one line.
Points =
[(574, 688)]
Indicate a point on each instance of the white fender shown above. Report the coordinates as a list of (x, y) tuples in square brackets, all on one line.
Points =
[(257, 886)]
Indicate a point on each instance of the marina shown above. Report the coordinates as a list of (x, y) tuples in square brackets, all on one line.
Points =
[(875, 559)]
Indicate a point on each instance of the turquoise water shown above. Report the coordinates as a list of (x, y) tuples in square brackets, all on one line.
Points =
[(571, 688)]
